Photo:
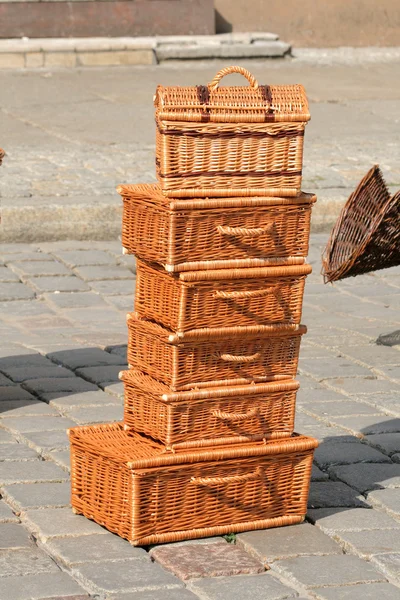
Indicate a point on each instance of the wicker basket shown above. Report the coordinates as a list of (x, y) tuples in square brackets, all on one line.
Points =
[(184, 235), (366, 236), (132, 486), (230, 141), (214, 357), (221, 298), (2, 155), (209, 417)]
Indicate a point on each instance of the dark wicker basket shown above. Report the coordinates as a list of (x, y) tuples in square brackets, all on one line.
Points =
[(366, 236)]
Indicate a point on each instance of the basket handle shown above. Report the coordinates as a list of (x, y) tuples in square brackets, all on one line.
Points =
[(244, 294), (237, 358), (227, 479), (227, 71), (225, 416), (244, 231)]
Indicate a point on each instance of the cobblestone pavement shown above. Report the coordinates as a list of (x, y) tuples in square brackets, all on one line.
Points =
[(62, 343), (72, 135)]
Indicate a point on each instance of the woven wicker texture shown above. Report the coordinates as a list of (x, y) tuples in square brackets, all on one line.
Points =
[(222, 298), (366, 236), (132, 486), (211, 234), (227, 141), (208, 417), (214, 357)]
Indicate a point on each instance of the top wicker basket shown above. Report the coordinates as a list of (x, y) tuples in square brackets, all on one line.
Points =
[(230, 141)]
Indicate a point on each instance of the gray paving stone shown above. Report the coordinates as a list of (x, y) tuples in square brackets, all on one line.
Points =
[(7, 276), (66, 283), (101, 374), (5, 437), (318, 475), (20, 374), (206, 560), (64, 384), (41, 586), (346, 453), (248, 587), (388, 500), (47, 440), (87, 399), (332, 520), (5, 381), (373, 355), (38, 268), (16, 452), (46, 423), (85, 357), (160, 594), (25, 562), (112, 288), (285, 542), (114, 388), (77, 258), (366, 591), (103, 318), (389, 564), (62, 458), (18, 409), (15, 311), (358, 386), (30, 472), (327, 494), (74, 300), (369, 425), (334, 408), (103, 272), (371, 542), (23, 496), (6, 514), (92, 549), (15, 393), (15, 291), (26, 256), (96, 414), (123, 303), (332, 570), (387, 442), (13, 536), (124, 576), (369, 477), (59, 522), (22, 357), (322, 368)]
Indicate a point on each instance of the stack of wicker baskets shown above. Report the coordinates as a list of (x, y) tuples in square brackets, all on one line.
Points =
[(207, 444)]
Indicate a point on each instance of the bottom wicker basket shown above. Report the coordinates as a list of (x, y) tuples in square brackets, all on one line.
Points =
[(132, 486)]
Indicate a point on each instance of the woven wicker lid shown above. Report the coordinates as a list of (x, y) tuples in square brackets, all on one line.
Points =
[(253, 103), (227, 275), (137, 451), (151, 193), (199, 335), (163, 392)]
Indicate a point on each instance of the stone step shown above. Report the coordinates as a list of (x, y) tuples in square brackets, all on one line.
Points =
[(103, 51)]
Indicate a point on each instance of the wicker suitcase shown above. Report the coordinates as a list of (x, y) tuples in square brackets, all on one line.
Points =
[(185, 235), (132, 486), (220, 298), (230, 141), (208, 417), (214, 357)]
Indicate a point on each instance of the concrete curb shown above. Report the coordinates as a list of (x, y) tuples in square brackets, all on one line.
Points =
[(89, 52)]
